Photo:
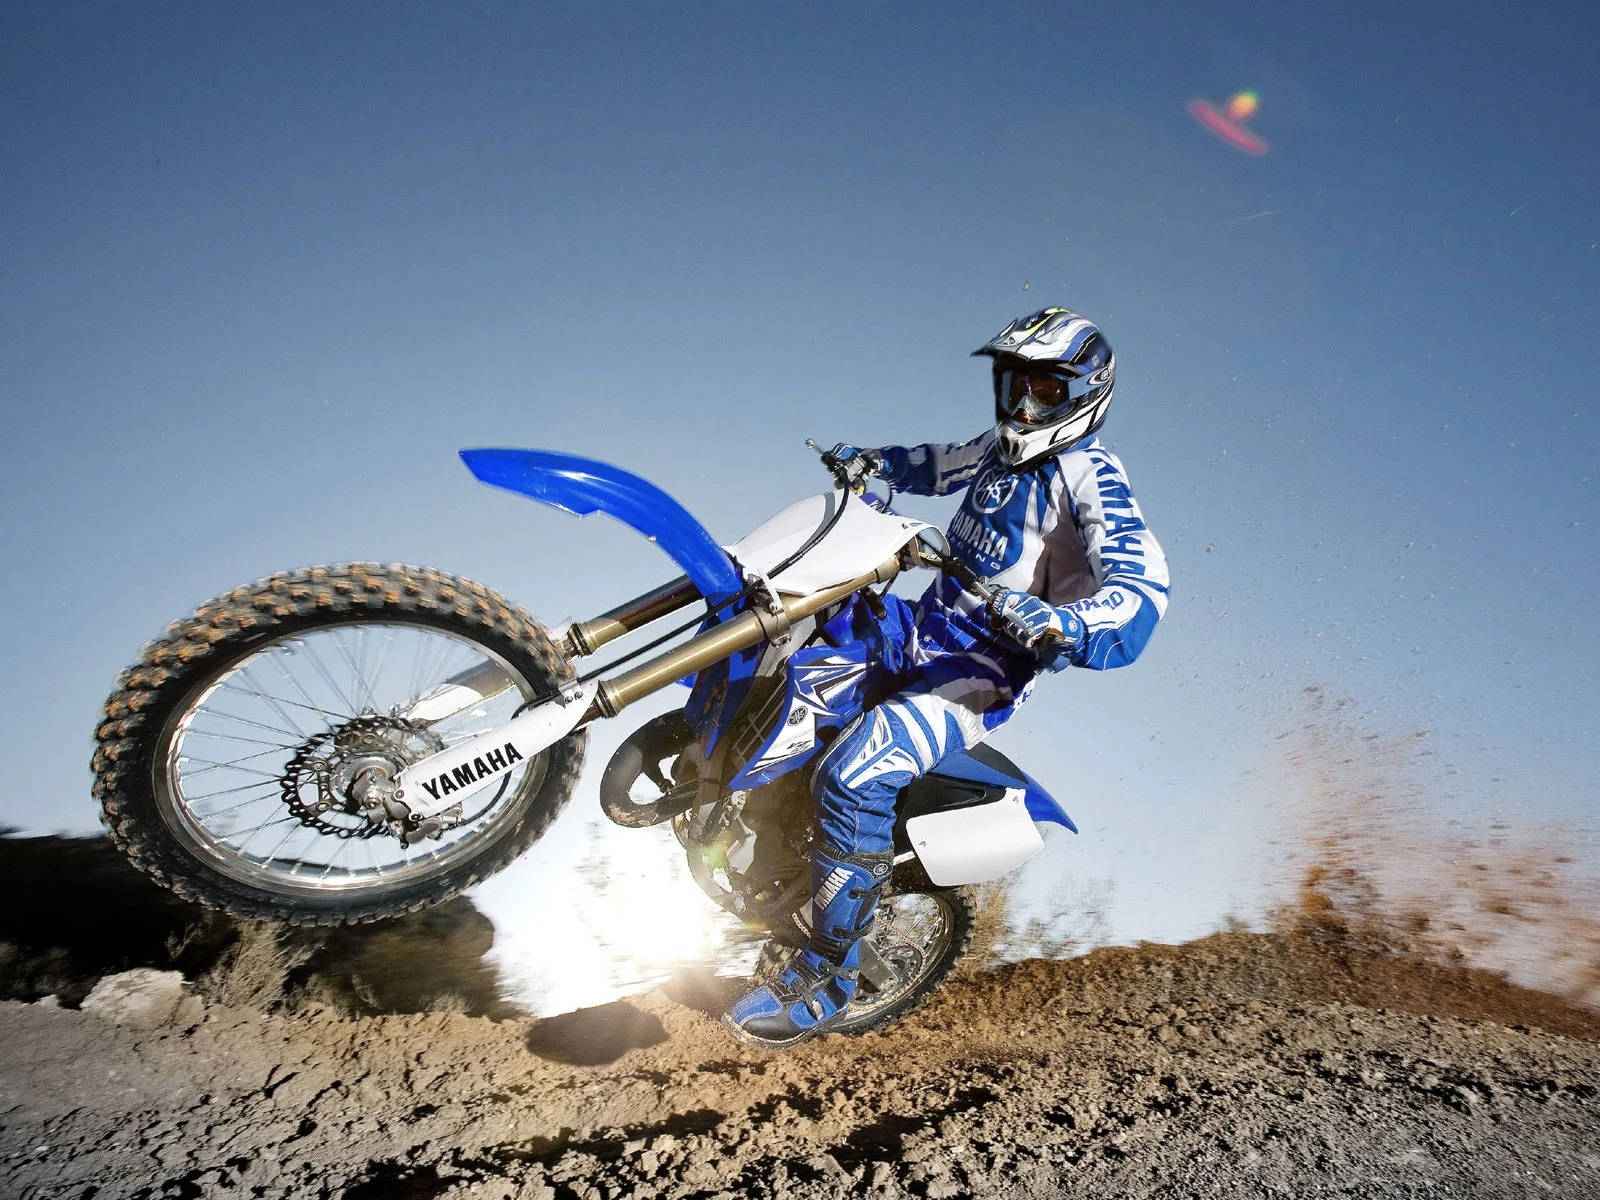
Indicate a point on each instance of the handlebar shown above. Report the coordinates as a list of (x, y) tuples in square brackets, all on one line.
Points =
[(830, 460), (851, 475), (989, 595)]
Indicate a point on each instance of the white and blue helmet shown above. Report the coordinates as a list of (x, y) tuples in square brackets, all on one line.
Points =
[(1053, 376)]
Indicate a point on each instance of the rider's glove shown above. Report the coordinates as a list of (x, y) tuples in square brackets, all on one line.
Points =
[(856, 465), (1051, 633)]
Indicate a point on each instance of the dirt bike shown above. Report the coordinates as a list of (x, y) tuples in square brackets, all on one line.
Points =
[(348, 743)]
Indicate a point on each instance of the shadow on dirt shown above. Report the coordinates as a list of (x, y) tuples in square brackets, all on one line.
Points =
[(73, 910), (702, 990), (594, 1037)]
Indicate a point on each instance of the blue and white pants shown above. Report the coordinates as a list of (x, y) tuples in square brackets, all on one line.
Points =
[(952, 702)]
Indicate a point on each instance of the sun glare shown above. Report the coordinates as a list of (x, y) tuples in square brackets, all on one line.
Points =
[(632, 919), (654, 914)]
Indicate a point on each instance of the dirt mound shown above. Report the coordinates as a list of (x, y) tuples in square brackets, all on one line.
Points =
[(73, 910), (1242, 1064)]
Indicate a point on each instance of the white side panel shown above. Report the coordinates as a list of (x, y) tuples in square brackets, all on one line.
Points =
[(441, 780), (862, 539), (975, 845)]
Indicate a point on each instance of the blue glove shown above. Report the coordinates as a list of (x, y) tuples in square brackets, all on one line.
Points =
[(856, 465), (1051, 633)]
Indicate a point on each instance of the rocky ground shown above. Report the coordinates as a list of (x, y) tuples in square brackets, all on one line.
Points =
[(1240, 1065)]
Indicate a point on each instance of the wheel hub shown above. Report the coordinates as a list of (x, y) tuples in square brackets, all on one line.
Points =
[(340, 782)]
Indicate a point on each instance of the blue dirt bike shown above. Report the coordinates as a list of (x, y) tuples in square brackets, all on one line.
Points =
[(347, 743)]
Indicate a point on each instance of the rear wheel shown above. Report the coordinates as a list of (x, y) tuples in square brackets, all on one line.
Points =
[(919, 935), (228, 758)]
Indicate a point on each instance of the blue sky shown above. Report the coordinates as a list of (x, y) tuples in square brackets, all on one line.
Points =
[(263, 271)]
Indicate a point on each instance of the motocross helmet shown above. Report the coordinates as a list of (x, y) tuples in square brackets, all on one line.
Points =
[(1053, 375)]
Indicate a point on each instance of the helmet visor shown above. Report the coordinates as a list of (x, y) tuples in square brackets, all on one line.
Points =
[(1033, 397)]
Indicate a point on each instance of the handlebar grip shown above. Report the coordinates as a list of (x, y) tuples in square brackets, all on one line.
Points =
[(989, 595), (1039, 643), (832, 463)]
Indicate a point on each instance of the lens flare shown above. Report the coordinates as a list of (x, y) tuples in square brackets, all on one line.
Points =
[(1243, 106), (1228, 123)]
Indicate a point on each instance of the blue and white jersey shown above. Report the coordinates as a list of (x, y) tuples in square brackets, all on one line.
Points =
[(1066, 529)]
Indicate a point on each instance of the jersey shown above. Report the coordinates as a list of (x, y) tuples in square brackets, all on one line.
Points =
[(1066, 529)]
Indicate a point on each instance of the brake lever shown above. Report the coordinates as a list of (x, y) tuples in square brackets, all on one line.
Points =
[(1037, 643), (828, 460)]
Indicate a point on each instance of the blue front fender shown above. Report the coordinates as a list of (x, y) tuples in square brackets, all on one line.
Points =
[(584, 485)]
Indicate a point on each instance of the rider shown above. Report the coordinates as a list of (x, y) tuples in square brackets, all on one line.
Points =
[(1049, 520)]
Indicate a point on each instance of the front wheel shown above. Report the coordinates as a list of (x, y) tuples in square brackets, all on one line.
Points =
[(227, 759)]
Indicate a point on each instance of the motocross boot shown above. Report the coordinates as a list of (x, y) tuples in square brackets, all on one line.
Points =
[(815, 987)]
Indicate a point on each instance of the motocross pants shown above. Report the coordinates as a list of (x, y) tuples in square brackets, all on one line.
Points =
[(949, 702), (952, 702)]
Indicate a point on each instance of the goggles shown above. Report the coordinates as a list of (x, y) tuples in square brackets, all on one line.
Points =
[(1033, 397)]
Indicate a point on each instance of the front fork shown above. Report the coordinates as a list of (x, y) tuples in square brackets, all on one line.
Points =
[(487, 680), (428, 787)]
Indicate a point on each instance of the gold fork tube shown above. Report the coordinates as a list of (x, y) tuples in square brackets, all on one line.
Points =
[(728, 638), (585, 637)]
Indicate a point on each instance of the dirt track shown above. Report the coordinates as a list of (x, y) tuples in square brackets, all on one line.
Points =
[(1240, 1065)]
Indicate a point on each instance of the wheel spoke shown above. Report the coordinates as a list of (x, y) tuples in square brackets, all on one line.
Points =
[(217, 712), (345, 846), (429, 668), (282, 652), (222, 812), (297, 734), (327, 678), (270, 858), (320, 711), (383, 656), (233, 737), (225, 792), (209, 765), (905, 938), (272, 702), (355, 672), (249, 835)]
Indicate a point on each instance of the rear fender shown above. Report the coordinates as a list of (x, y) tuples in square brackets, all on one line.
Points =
[(1042, 806), (582, 486)]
